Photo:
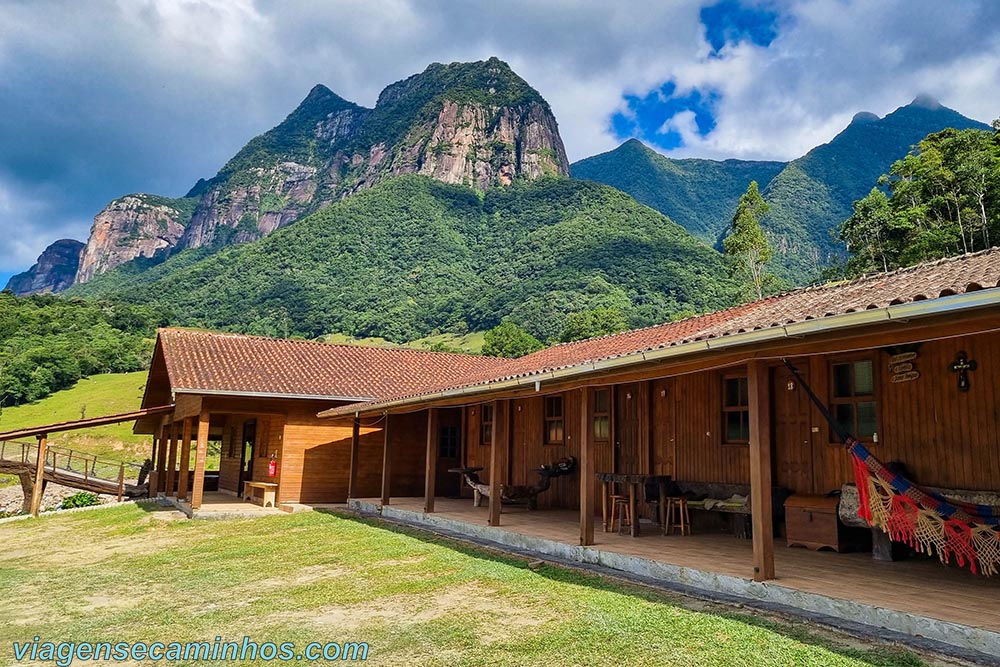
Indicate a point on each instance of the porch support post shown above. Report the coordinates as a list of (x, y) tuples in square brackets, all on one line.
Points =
[(172, 461), (185, 463), (352, 479), (587, 477), (201, 453), (36, 491), (499, 453), (161, 461), (760, 470), (153, 481), (430, 474), (386, 463)]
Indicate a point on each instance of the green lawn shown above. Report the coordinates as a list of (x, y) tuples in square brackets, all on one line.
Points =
[(127, 574)]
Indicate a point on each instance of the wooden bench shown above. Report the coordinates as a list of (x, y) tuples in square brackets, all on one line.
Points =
[(698, 491), (268, 492)]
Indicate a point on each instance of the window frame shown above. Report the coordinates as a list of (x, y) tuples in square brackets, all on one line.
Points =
[(739, 408), (449, 442), (854, 399), (606, 415), (486, 425), (549, 420)]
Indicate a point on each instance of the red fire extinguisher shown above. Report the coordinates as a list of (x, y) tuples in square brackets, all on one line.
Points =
[(272, 465)]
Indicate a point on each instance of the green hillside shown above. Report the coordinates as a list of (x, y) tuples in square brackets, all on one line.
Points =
[(813, 194), (414, 257), (699, 195), (98, 395), (809, 197)]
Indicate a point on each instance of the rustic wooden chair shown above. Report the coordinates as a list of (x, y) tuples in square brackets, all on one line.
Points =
[(622, 510), (676, 516)]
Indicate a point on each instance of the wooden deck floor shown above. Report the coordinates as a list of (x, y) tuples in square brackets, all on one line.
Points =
[(917, 586)]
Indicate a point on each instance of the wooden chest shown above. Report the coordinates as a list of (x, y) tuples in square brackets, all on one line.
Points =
[(811, 521)]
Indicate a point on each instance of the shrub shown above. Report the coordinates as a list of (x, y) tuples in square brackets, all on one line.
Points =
[(82, 499)]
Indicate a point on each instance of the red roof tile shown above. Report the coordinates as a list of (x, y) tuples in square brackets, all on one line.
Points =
[(237, 364), (928, 281)]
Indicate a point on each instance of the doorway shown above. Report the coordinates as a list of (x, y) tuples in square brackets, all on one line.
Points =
[(449, 451), (628, 436), (247, 453), (793, 461)]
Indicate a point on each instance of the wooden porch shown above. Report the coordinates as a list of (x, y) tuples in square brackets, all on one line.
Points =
[(221, 505), (919, 588)]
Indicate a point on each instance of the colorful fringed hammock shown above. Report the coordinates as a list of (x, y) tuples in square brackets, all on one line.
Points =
[(919, 517)]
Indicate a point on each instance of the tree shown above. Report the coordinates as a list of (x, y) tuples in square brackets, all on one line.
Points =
[(591, 323), (509, 340), (865, 233), (746, 245), (944, 199)]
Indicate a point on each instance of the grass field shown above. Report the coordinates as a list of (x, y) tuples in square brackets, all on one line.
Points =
[(416, 600), (91, 397)]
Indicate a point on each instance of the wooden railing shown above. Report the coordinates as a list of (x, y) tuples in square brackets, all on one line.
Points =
[(73, 465)]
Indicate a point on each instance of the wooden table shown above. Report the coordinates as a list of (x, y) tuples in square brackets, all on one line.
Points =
[(268, 491), (633, 481)]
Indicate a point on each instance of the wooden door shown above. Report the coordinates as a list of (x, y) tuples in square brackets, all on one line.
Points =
[(793, 463), (449, 452), (628, 438), (247, 450)]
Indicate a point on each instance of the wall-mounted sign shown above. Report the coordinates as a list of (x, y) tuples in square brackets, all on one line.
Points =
[(903, 366)]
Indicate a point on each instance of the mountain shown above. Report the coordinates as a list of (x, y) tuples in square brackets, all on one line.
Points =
[(814, 193), (53, 272), (700, 195), (477, 124), (137, 225), (413, 256), (809, 197)]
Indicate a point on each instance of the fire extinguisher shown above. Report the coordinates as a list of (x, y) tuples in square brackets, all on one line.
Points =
[(272, 465)]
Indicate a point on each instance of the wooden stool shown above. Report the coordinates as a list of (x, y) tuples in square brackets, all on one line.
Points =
[(620, 508), (677, 516)]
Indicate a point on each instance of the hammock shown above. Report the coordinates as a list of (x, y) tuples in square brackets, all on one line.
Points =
[(908, 513)]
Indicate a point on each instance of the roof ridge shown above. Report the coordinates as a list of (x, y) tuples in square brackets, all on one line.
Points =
[(320, 343)]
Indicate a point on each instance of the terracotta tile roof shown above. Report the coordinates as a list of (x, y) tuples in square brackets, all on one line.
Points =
[(923, 282), (238, 364)]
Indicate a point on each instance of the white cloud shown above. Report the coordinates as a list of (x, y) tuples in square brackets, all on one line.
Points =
[(149, 95)]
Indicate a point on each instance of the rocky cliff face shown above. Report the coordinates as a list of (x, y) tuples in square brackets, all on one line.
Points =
[(138, 225), (476, 124), (54, 271)]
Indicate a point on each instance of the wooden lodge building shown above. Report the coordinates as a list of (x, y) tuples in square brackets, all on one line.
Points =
[(907, 362)]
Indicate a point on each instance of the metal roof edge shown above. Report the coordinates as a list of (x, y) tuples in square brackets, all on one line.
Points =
[(899, 312)]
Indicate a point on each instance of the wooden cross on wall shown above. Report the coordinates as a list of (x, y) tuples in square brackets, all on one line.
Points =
[(962, 365)]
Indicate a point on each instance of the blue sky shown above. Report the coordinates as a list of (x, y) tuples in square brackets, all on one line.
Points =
[(651, 117), (151, 95)]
